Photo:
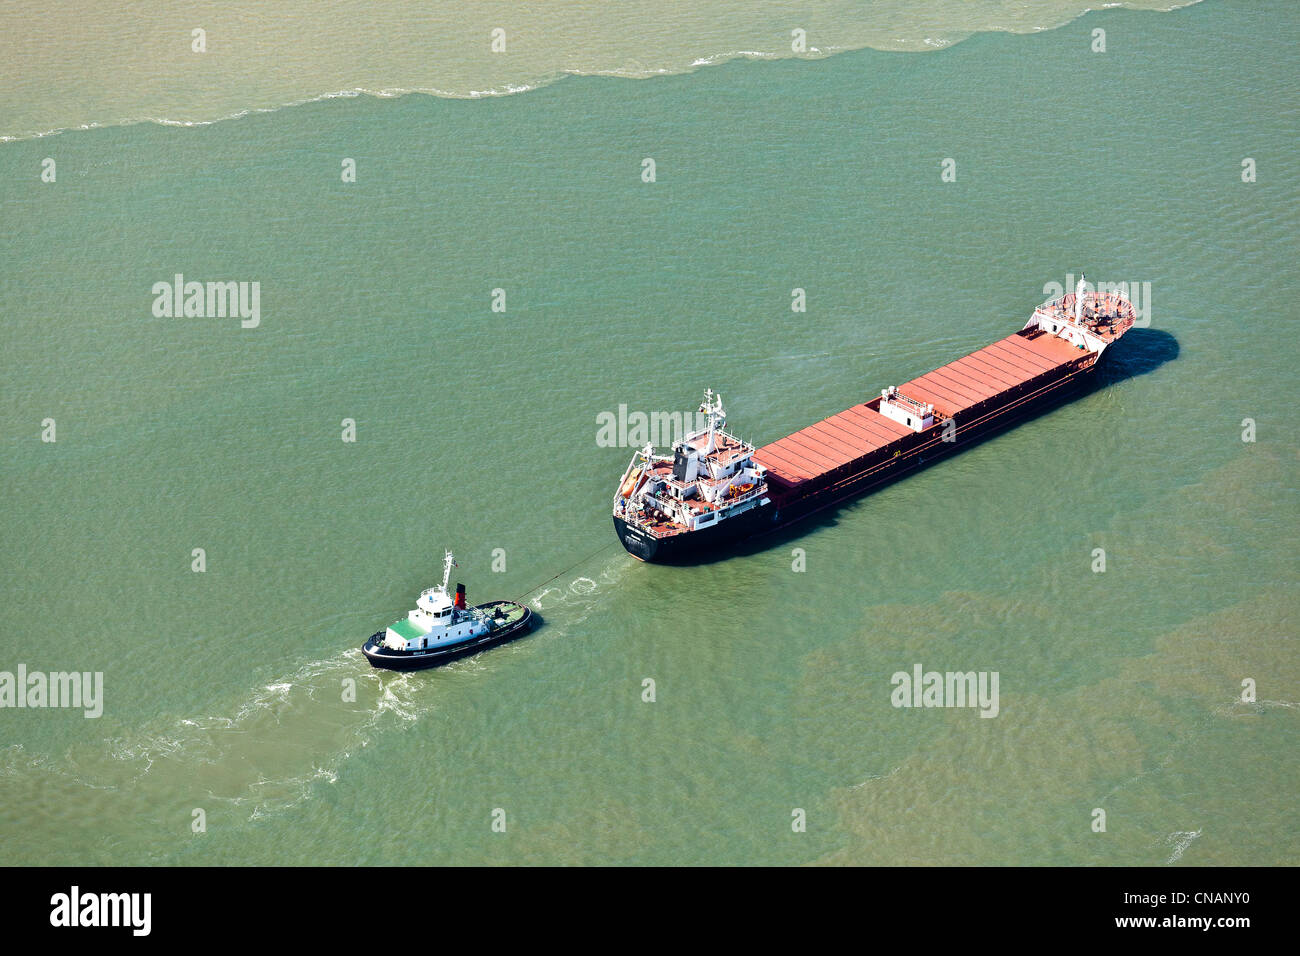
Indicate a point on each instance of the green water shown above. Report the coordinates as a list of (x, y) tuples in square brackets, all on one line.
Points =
[(476, 430)]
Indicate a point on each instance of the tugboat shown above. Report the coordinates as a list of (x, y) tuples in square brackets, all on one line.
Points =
[(440, 629)]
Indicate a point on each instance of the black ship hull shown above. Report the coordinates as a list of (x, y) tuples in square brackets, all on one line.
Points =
[(687, 545), (388, 659), (787, 509)]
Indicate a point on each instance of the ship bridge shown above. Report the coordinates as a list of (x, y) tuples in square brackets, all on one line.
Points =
[(710, 477)]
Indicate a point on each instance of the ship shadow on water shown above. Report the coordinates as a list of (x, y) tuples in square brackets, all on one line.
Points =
[(1144, 350)]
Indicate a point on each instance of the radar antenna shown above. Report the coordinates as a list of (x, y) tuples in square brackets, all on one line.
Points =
[(712, 409)]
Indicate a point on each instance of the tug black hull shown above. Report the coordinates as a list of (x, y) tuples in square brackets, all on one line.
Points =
[(388, 659)]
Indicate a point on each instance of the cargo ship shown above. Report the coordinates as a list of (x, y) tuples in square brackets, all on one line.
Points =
[(715, 489), (441, 629)]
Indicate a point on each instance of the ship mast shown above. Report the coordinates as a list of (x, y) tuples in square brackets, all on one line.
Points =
[(448, 562), (715, 418)]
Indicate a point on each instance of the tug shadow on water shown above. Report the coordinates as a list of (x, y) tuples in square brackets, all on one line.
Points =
[(1145, 350)]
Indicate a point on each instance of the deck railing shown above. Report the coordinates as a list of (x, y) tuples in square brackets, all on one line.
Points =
[(671, 505)]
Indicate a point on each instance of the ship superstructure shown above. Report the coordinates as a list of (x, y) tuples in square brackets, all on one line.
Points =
[(710, 478), (715, 489)]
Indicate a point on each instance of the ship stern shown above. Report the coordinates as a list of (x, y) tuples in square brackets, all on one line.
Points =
[(638, 544)]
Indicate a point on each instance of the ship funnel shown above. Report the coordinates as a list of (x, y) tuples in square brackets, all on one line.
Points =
[(460, 596)]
